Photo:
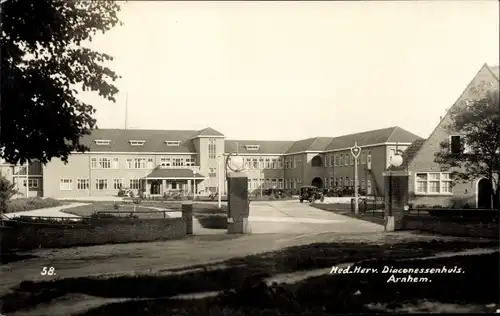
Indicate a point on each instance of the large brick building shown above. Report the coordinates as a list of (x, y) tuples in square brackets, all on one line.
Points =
[(428, 185), (161, 160)]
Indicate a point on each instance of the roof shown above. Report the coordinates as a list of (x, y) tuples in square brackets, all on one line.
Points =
[(209, 132), (408, 155), (266, 146), (495, 70), (154, 140), (390, 134), (163, 173)]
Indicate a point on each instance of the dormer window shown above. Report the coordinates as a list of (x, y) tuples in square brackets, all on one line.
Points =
[(137, 142), (252, 147), (173, 142), (102, 142)]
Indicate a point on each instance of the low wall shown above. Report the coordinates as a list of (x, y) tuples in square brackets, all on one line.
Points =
[(449, 227), (93, 232)]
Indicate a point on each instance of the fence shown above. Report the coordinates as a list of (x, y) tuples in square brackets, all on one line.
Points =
[(374, 206)]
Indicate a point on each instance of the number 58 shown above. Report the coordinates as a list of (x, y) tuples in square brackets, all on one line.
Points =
[(48, 271)]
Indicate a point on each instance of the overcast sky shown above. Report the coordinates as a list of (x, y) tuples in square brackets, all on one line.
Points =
[(292, 70)]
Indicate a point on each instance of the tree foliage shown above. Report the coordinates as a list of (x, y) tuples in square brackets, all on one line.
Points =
[(7, 190), (44, 64), (478, 124)]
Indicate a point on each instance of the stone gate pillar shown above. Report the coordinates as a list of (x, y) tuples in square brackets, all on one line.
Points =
[(396, 199), (237, 203)]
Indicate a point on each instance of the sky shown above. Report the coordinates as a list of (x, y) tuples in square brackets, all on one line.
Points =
[(294, 70)]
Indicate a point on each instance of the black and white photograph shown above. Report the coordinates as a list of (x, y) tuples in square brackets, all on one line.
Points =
[(193, 158)]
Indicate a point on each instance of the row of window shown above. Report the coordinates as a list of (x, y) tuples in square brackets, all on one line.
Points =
[(433, 183), (346, 159), (289, 183), (139, 163), (99, 184)]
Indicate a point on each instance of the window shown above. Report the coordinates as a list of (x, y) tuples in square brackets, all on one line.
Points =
[(137, 142), (178, 162), (255, 163), (346, 182), (173, 142), (212, 149), (174, 185), (102, 142), (363, 157), (104, 163), (274, 183), (101, 184), (82, 184), (255, 183), (93, 163), (455, 146), (261, 163), (130, 163), (351, 159), (252, 147), (341, 182), (190, 162), (346, 159), (267, 183), (327, 182), (248, 163), (331, 160), (268, 163), (117, 184), (274, 165), (139, 163), (32, 183), (280, 183), (165, 162), (212, 173), (65, 184), (337, 160), (115, 163), (150, 163), (294, 163), (352, 183), (249, 184), (325, 161), (135, 184), (433, 183), (280, 163)]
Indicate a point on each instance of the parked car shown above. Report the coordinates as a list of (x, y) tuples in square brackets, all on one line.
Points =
[(310, 193)]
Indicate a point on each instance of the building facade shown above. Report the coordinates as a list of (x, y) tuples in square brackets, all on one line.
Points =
[(161, 161), (428, 184)]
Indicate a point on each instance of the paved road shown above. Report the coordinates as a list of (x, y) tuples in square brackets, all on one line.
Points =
[(293, 217)]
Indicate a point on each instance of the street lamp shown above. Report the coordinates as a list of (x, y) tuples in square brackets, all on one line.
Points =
[(355, 151)]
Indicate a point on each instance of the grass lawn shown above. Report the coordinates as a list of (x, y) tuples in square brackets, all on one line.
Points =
[(376, 217), (245, 293), (124, 210)]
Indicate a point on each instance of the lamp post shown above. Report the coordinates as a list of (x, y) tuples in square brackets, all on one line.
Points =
[(396, 161), (355, 151), (194, 185)]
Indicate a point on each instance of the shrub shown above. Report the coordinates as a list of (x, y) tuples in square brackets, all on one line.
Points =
[(99, 215), (28, 204)]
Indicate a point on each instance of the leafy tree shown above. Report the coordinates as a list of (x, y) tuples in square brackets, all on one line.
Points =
[(479, 126), (7, 190), (43, 65)]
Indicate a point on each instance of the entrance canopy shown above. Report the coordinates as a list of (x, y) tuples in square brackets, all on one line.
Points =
[(174, 174)]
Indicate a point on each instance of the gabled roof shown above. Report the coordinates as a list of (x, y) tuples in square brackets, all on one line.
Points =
[(209, 132), (265, 146), (408, 155), (391, 134), (485, 74), (155, 140), (495, 70)]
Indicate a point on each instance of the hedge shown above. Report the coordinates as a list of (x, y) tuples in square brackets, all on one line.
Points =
[(29, 204)]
